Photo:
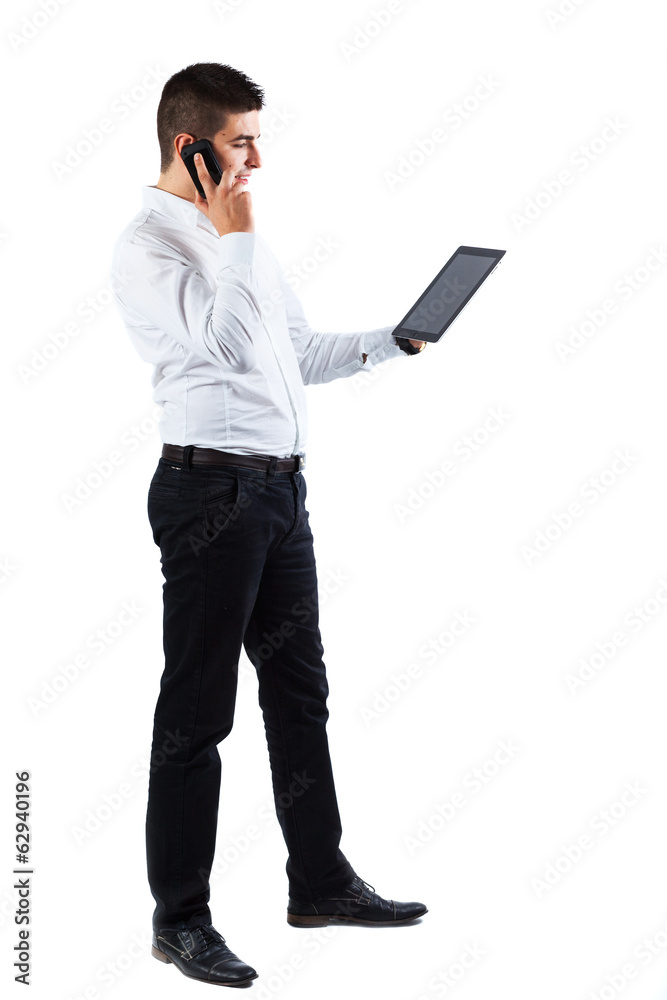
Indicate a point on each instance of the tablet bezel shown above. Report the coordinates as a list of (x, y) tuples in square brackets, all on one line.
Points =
[(432, 338)]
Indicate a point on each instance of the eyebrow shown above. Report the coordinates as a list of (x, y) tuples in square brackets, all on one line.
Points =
[(244, 137)]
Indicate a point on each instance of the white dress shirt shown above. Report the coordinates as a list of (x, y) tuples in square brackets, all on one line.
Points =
[(229, 343)]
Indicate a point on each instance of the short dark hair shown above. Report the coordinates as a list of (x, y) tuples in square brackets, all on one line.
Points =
[(199, 100)]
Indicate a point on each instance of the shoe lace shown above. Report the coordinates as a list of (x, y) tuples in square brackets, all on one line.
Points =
[(360, 882), (210, 935)]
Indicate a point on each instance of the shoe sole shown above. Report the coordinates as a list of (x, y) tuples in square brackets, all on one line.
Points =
[(161, 957), (324, 919)]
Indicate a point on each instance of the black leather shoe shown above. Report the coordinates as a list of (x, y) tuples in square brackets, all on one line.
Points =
[(358, 904), (201, 953)]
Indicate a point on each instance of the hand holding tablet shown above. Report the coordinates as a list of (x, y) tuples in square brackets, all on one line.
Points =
[(449, 292)]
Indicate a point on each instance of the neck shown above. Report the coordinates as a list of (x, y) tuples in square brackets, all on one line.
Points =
[(170, 184)]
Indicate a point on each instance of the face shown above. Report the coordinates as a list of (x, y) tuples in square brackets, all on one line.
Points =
[(236, 145)]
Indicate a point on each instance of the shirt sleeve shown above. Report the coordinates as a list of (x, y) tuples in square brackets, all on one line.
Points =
[(154, 288), (323, 357)]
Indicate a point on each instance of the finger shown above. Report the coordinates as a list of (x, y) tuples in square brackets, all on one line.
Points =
[(201, 166), (228, 177), (202, 174)]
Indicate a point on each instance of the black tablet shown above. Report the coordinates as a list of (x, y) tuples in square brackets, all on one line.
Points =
[(449, 292)]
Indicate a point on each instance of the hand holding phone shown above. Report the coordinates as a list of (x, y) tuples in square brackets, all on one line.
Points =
[(219, 195), (204, 147)]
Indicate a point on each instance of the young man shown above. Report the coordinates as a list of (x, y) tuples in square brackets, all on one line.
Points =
[(205, 302)]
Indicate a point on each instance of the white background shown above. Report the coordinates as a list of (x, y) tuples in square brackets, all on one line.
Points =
[(347, 98)]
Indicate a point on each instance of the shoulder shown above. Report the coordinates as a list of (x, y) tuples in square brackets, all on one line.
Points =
[(147, 235)]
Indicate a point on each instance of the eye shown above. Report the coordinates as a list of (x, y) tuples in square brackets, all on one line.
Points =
[(240, 145)]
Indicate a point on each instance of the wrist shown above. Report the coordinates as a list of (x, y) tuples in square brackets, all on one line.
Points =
[(224, 231), (407, 347)]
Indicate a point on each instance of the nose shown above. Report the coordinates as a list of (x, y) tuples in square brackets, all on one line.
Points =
[(254, 159)]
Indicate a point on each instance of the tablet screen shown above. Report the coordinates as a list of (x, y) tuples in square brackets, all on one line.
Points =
[(448, 293)]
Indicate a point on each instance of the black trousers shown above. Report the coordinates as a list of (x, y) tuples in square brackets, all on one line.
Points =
[(239, 568)]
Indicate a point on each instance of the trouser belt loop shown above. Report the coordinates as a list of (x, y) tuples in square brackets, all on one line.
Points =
[(187, 456), (271, 473)]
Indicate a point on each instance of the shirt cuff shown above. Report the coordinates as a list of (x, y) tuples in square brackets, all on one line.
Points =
[(235, 248), (380, 345)]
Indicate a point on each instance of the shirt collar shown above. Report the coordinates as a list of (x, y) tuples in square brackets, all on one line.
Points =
[(185, 212)]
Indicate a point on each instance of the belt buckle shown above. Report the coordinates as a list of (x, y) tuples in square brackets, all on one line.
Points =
[(300, 463)]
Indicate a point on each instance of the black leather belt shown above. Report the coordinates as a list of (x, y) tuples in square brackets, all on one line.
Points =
[(211, 456)]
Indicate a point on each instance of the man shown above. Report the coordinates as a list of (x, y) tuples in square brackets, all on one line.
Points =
[(206, 303)]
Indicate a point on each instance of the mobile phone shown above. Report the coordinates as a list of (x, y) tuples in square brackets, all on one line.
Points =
[(204, 147)]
